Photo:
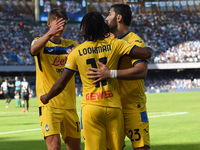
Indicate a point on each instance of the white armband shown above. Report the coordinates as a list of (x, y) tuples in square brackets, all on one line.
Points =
[(113, 73)]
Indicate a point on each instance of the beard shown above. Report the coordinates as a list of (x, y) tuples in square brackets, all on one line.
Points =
[(113, 25)]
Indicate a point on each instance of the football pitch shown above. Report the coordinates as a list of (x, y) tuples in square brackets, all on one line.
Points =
[(174, 123)]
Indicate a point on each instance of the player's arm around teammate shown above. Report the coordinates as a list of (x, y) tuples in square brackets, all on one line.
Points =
[(134, 73)]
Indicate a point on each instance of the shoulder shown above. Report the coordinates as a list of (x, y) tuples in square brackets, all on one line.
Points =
[(69, 41), (35, 40), (82, 45), (120, 41), (135, 39), (135, 36), (112, 40)]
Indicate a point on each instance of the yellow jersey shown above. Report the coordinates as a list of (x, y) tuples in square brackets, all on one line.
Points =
[(107, 51), (132, 91), (50, 63)]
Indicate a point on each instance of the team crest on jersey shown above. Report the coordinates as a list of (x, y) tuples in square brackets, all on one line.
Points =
[(59, 71), (47, 127)]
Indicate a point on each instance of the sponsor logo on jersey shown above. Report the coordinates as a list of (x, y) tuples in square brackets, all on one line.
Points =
[(50, 50), (59, 71), (59, 62), (99, 95)]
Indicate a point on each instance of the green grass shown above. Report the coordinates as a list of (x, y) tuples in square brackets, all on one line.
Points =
[(168, 129)]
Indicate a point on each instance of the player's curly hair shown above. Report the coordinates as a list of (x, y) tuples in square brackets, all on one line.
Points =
[(94, 27)]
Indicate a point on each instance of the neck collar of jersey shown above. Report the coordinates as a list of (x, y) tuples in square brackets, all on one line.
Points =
[(90, 40), (124, 35), (55, 42)]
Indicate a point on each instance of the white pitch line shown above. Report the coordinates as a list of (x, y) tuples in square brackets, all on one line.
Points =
[(162, 112), (17, 113), (24, 113), (177, 113), (20, 131)]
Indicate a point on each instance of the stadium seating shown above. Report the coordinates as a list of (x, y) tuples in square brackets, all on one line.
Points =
[(175, 37), (162, 32)]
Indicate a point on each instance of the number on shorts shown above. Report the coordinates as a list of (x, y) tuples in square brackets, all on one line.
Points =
[(136, 133)]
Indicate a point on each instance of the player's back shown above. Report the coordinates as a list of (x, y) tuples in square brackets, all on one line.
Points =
[(24, 86), (5, 86), (107, 51)]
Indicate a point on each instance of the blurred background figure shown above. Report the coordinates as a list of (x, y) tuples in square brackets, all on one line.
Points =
[(25, 91), (17, 91), (5, 89)]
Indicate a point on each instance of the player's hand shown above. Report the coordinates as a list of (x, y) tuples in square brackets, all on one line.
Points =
[(43, 99), (1, 92), (58, 26), (99, 74)]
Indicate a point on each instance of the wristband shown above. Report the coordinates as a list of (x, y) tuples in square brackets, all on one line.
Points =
[(113, 73)]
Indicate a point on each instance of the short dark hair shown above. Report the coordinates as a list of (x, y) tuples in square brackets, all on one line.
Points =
[(59, 13), (125, 11), (94, 26)]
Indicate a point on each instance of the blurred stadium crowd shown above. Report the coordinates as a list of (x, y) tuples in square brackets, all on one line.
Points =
[(172, 80), (175, 38)]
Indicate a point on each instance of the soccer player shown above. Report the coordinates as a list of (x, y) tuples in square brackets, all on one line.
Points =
[(5, 89), (17, 91), (59, 115), (25, 90), (132, 92), (102, 117)]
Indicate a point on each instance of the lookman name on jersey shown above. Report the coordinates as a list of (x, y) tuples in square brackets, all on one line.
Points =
[(95, 50)]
